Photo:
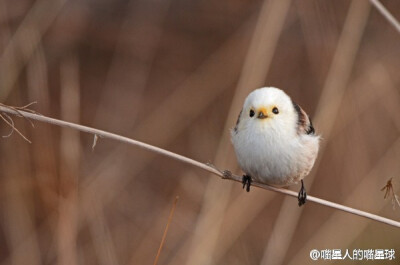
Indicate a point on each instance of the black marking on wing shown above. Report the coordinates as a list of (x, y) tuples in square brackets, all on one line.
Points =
[(304, 124), (310, 129), (237, 122)]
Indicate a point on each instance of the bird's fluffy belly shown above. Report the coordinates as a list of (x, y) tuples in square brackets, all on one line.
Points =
[(275, 161)]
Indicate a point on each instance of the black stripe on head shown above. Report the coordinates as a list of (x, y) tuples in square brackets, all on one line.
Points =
[(300, 114), (237, 122)]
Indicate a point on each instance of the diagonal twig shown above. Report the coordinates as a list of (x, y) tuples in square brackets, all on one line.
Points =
[(11, 124), (171, 214)]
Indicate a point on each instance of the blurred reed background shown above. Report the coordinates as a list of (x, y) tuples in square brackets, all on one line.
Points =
[(174, 73)]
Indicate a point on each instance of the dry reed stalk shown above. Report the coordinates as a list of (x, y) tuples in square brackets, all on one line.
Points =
[(326, 113), (385, 92), (70, 156), (103, 241), (171, 214), (386, 166), (122, 84), (389, 17), (192, 87), (6, 31), (20, 236), (38, 89), (239, 209), (24, 42), (117, 81), (265, 37)]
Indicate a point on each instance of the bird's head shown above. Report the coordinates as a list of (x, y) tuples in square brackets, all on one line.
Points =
[(268, 107)]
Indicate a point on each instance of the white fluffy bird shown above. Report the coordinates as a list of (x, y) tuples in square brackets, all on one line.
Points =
[(274, 140)]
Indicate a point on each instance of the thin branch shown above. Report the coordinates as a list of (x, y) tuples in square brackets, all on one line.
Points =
[(392, 20), (209, 168)]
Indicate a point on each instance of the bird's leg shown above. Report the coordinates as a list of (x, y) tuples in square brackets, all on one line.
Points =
[(246, 180), (302, 194)]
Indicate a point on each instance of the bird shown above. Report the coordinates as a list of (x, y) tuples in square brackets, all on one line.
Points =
[(274, 140)]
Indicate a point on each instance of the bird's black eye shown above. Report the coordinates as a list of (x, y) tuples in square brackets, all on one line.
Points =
[(275, 110), (252, 113)]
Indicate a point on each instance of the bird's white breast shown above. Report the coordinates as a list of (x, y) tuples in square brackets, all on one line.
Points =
[(274, 157)]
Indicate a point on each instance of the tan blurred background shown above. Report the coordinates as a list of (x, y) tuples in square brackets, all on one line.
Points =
[(174, 73)]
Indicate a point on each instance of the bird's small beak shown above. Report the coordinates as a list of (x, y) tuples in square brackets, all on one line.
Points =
[(262, 113)]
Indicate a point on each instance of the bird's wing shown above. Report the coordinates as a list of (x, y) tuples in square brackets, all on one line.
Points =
[(304, 124)]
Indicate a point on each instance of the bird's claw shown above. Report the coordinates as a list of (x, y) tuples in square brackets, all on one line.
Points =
[(246, 180), (302, 197)]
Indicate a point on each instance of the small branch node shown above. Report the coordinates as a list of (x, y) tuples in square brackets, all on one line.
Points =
[(226, 174), (95, 138)]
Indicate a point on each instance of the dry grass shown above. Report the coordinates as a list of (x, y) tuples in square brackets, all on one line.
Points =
[(171, 73)]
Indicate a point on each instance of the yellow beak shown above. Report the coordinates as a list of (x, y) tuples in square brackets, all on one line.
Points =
[(262, 113)]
